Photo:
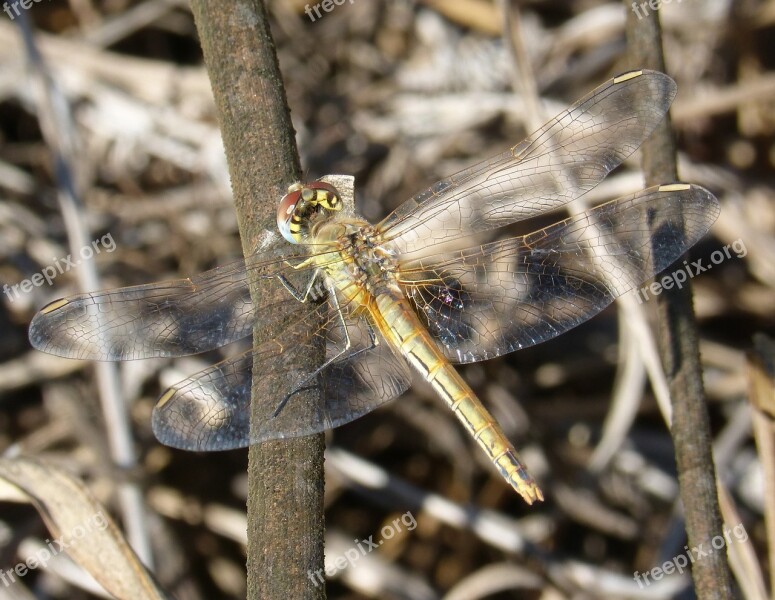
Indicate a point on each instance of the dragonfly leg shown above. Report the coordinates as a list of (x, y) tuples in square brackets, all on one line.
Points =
[(374, 342), (310, 292)]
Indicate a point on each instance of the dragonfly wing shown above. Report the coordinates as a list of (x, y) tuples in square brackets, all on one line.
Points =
[(561, 161), (499, 297), (172, 318), (211, 410)]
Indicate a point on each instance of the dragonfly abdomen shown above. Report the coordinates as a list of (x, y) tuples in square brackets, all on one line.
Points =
[(400, 326)]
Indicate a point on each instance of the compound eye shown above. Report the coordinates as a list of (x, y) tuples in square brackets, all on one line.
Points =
[(288, 219), (326, 195)]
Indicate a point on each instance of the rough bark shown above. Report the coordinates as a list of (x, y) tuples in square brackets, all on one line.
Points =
[(285, 478)]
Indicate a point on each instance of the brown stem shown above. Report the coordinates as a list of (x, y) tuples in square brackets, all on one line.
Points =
[(678, 342), (285, 478)]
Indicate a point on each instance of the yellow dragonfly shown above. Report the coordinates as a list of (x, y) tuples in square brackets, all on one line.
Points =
[(441, 280)]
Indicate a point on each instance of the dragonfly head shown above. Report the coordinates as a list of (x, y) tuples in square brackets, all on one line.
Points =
[(301, 203)]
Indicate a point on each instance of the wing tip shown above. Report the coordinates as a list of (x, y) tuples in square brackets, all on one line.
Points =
[(36, 335), (669, 84), (698, 194)]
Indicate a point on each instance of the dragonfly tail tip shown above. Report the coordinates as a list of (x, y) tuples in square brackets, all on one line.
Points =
[(531, 494)]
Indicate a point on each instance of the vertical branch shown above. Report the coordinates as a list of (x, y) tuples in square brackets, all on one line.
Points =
[(678, 341), (285, 478)]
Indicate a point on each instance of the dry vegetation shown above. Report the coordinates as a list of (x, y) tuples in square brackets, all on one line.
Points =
[(399, 94)]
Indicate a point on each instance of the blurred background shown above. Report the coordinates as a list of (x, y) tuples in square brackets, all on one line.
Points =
[(399, 94)]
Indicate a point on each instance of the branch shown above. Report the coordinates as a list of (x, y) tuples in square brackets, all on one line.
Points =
[(285, 478), (678, 341)]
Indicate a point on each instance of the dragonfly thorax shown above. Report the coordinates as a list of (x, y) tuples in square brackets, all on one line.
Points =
[(371, 262), (364, 262)]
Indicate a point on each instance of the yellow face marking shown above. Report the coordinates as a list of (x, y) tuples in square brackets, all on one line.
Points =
[(55, 305)]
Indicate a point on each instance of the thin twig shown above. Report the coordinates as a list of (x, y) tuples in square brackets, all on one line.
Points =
[(678, 342), (761, 377), (58, 130), (643, 356)]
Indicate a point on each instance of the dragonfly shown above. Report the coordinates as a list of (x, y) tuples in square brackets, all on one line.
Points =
[(442, 280)]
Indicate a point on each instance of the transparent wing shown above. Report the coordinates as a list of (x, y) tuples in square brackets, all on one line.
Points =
[(171, 318), (492, 299), (211, 410), (561, 161)]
